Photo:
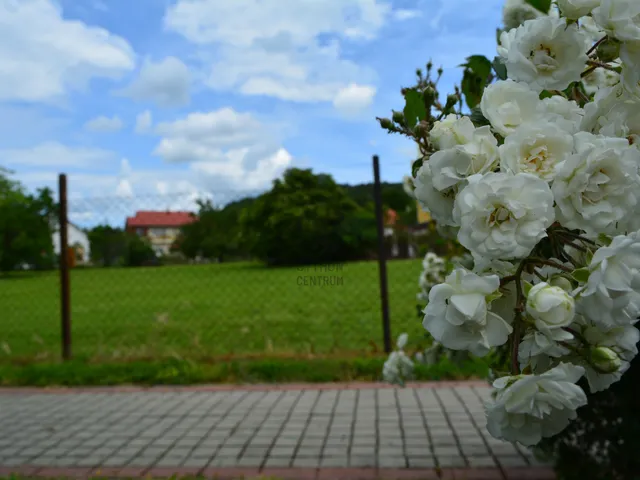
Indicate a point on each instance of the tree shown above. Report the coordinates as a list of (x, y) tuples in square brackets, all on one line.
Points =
[(25, 225), (108, 245), (393, 197), (214, 234), (138, 252), (307, 219)]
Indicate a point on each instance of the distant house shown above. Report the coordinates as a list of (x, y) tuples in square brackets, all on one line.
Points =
[(399, 247), (423, 216), (160, 228), (77, 240)]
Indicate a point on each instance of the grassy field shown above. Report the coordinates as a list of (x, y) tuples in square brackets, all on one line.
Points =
[(208, 311)]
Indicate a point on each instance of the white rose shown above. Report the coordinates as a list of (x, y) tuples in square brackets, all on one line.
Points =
[(614, 112), (550, 307), (593, 31), (566, 114), (398, 368), (535, 148), (614, 276), (516, 12), (574, 9), (618, 345), (619, 18), (538, 350), (528, 408), (484, 265), (503, 216), (451, 131), (458, 317), (600, 78), (407, 185), (595, 189), (546, 53), (507, 104), (452, 166), (433, 261), (438, 203), (630, 58), (434, 269)]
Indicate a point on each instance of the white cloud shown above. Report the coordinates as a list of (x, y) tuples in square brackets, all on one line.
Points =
[(104, 124), (406, 14), (233, 168), (354, 98), (166, 83), (224, 128), (224, 148), (242, 22), (143, 122), (44, 55), (54, 154), (287, 50)]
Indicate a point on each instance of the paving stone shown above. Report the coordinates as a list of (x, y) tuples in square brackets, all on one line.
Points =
[(282, 452), (512, 461), (115, 461), (278, 462), (362, 450), (309, 452), (362, 461), (230, 429), (481, 461), (451, 461), (142, 461), (250, 461), (302, 462), (396, 461), (426, 461)]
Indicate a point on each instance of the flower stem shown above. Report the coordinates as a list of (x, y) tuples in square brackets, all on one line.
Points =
[(588, 71), (595, 46), (542, 261), (596, 64), (517, 318)]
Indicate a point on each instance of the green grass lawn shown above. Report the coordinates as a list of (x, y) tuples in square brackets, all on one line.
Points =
[(237, 309)]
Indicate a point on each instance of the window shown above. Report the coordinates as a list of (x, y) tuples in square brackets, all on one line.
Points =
[(158, 232), (140, 232)]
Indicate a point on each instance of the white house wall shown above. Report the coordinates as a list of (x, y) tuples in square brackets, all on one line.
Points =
[(74, 236)]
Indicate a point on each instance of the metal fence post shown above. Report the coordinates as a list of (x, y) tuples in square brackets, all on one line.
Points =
[(382, 260), (65, 283)]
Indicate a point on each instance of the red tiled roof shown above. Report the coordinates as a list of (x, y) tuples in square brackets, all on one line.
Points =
[(160, 219), (391, 217)]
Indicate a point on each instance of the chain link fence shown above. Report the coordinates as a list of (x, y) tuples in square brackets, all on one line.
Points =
[(138, 290)]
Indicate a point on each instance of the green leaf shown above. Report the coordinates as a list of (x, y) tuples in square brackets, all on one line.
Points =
[(475, 78), (581, 275), (480, 65), (605, 239), (500, 68), (478, 118), (493, 296), (542, 5), (545, 94), (472, 88), (526, 287), (498, 34), (414, 110), (416, 166)]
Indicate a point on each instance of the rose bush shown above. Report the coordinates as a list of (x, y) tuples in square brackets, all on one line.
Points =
[(533, 164)]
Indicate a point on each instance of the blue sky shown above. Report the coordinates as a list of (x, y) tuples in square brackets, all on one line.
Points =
[(162, 97)]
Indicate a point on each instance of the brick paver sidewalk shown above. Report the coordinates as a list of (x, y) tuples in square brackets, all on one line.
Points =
[(326, 431)]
